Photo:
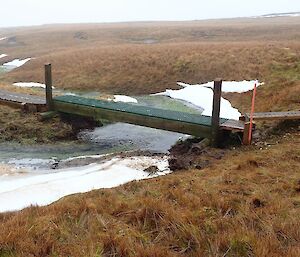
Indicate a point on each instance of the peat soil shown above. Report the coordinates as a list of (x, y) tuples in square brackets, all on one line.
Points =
[(195, 153)]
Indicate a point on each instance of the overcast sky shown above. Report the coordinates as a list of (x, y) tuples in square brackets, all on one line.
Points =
[(36, 12)]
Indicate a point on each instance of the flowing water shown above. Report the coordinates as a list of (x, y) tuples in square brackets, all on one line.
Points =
[(42, 174), (111, 138)]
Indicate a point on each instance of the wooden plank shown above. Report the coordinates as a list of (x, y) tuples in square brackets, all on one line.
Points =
[(24, 106), (132, 118), (233, 125), (21, 98), (48, 82), (292, 115), (11, 104), (215, 122), (139, 109)]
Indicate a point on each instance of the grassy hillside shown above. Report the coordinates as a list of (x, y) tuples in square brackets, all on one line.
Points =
[(139, 58)]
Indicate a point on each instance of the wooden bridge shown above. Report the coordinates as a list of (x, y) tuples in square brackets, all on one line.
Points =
[(182, 122), (192, 124)]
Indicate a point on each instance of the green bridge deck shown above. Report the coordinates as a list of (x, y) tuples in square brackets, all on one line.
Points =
[(182, 122)]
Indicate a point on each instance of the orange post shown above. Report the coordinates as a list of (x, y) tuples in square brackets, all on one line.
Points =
[(251, 115)]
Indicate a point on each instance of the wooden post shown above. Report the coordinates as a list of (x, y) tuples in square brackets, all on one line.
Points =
[(247, 128), (251, 114), (48, 83), (215, 121)]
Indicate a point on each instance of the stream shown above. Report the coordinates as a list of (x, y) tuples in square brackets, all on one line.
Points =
[(104, 157), (42, 174), (109, 139)]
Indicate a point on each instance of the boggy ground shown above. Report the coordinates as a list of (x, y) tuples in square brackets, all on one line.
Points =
[(26, 128), (245, 204)]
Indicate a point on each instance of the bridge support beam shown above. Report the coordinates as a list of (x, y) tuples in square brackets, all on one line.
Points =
[(215, 121)]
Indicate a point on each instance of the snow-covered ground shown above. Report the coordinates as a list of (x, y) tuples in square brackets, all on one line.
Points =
[(20, 188), (3, 55), (230, 86), (124, 99), (202, 96), (274, 15), (17, 62), (282, 15), (29, 84)]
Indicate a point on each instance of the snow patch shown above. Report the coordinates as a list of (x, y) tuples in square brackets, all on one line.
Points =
[(30, 84), (274, 15), (3, 38), (3, 55), (124, 99), (70, 94), (17, 62), (232, 86), (202, 96), (27, 188)]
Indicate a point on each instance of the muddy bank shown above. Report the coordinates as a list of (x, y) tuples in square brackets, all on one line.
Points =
[(193, 153), (26, 128)]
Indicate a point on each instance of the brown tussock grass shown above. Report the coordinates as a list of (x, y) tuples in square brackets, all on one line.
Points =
[(153, 68), (244, 205), (113, 59), (25, 128), (22, 90)]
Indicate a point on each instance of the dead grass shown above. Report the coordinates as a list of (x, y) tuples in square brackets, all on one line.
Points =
[(22, 90), (150, 69), (26, 128), (114, 58), (245, 205), (281, 91)]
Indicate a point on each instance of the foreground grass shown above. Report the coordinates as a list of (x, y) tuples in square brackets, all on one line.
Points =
[(244, 205)]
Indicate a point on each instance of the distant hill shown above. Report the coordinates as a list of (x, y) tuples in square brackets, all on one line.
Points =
[(274, 15)]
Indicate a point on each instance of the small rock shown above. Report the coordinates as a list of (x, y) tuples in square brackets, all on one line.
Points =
[(152, 170), (54, 165)]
